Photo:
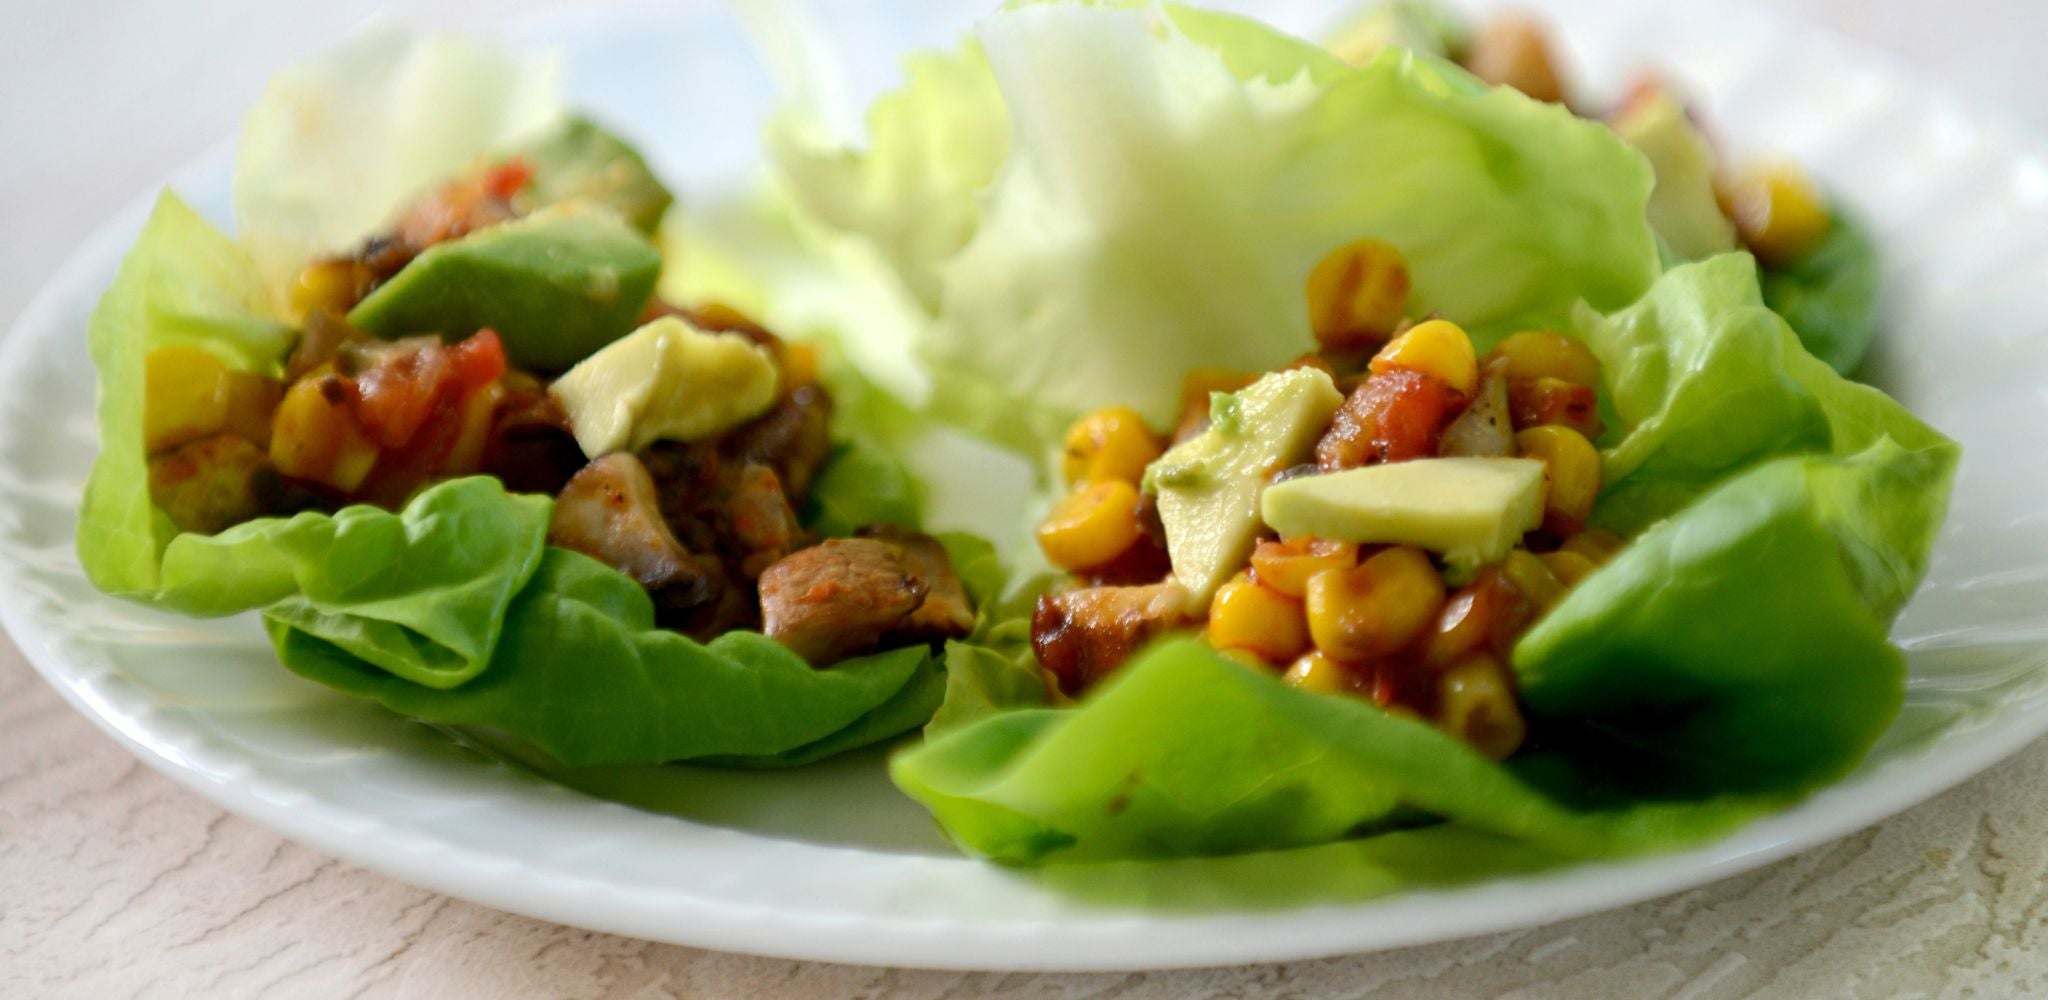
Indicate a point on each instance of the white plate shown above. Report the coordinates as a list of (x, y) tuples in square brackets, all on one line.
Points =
[(829, 863)]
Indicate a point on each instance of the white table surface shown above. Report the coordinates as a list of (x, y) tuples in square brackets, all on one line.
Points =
[(114, 882)]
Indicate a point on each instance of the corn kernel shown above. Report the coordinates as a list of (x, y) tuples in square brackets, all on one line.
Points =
[(1533, 354), (327, 285), (1476, 703), (1319, 674), (1357, 295), (184, 397), (1111, 443), (799, 366), (1376, 608), (1571, 473), (1091, 526), (1532, 579), (1287, 566), (1568, 567), (1597, 544), (1778, 211), (1533, 402), (479, 410), (317, 439), (1245, 615), (252, 399), (1437, 347), (1486, 612)]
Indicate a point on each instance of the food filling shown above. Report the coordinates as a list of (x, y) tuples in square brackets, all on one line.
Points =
[(1382, 518), (681, 453)]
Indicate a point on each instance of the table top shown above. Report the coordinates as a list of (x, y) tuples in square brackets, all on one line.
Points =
[(114, 881)]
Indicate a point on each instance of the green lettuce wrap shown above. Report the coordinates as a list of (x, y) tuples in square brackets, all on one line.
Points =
[(1730, 659), (1166, 180), (453, 610)]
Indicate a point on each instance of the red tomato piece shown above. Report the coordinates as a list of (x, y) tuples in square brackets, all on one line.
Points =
[(507, 178), (1394, 416)]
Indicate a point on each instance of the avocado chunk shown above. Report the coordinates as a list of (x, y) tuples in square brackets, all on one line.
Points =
[(1471, 510), (1209, 485), (556, 285), (578, 161), (667, 381), (1682, 206)]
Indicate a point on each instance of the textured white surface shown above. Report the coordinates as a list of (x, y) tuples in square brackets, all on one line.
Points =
[(106, 864)]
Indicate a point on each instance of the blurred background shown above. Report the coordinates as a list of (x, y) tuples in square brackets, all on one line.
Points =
[(101, 100)]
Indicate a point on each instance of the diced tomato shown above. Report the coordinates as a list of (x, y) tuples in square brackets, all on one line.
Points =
[(396, 394), (1393, 417), (507, 178), (479, 360)]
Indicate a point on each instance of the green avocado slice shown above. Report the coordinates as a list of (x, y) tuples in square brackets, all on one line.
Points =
[(578, 160), (556, 285)]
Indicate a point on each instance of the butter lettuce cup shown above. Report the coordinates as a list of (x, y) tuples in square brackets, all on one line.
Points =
[(426, 412), (1407, 485)]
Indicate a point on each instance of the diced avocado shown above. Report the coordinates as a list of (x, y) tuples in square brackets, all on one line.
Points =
[(1209, 485), (579, 161), (556, 285), (1424, 26), (667, 381), (1682, 206), (1471, 510)]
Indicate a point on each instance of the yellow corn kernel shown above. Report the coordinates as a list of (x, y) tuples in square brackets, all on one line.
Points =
[(1091, 526), (1568, 567), (327, 285), (479, 410), (1778, 211), (1597, 544), (185, 397), (1534, 354), (1245, 615), (317, 439), (799, 365), (1287, 566), (1357, 295), (1319, 674), (252, 399), (1476, 703), (1532, 579), (1436, 347), (1111, 443), (1571, 473), (1376, 608)]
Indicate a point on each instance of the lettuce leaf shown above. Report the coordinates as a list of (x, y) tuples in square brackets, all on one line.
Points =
[(1172, 177), (336, 145), (421, 594), (938, 142), (1731, 659), (1830, 297), (582, 672), (860, 484), (183, 282)]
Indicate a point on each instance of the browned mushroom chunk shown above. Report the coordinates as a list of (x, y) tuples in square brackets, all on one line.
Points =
[(792, 438), (838, 597), (1513, 49), (947, 611), (209, 484), (609, 512), (1083, 635)]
